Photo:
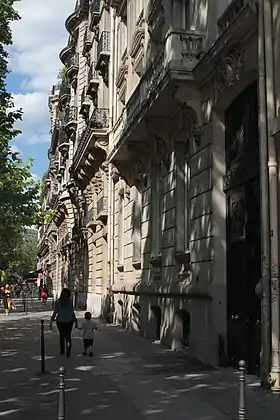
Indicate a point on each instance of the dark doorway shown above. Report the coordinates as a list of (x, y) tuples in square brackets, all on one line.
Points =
[(157, 315), (241, 184), (184, 318)]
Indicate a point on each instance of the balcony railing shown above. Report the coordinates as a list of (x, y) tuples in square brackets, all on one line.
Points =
[(81, 10), (103, 46), (73, 61), (231, 13), (93, 81), (71, 117), (102, 207), (72, 66), (188, 46), (64, 92), (99, 120), (89, 217), (85, 103), (103, 54), (95, 13), (87, 42), (62, 138)]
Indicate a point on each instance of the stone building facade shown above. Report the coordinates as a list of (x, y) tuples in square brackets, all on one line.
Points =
[(166, 182)]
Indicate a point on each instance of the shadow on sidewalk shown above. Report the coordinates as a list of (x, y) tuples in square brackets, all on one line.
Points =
[(128, 376)]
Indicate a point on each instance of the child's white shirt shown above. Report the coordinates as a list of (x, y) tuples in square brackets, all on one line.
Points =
[(88, 328)]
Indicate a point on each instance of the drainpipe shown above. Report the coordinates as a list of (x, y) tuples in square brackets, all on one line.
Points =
[(263, 288), (112, 120), (273, 181)]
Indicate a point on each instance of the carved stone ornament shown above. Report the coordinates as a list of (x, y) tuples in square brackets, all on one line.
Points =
[(229, 71), (183, 95), (102, 143), (137, 49), (97, 182), (115, 175)]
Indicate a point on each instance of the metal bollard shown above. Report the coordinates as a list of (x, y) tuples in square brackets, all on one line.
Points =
[(43, 364), (242, 380), (23, 302), (61, 397)]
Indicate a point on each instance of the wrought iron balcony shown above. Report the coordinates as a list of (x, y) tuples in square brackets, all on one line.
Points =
[(71, 117), (72, 67), (87, 42), (103, 54), (99, 123), (62, 138), (64, 93), (100, 118), (63, 142), (93, 81), (81, 10), (66, 53), (90, 217), (231, 13), (85, 104), (102, 208), (94, 13)]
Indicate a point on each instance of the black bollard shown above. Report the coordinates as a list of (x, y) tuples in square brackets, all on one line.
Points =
[(43, 364), (23, 302), (242, 383), (61, 397)]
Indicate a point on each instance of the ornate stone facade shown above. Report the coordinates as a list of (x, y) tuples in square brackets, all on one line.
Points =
[(147, 174)]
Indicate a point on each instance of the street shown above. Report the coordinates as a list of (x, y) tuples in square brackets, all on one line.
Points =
[(128, 376)]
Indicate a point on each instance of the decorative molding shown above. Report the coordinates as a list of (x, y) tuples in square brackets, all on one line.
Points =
[(137, 49), (121, 82), (114, 174), (97, 182), (155, 19), (229, 70), (102, 143)]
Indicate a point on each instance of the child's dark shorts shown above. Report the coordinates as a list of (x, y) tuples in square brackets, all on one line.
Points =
[(88, 342)]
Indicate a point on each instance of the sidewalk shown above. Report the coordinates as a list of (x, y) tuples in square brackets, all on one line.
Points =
[(128, 376)]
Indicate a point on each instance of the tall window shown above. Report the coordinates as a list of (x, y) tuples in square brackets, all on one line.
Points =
[(189, 14), (182, 198), (121, 228), (137, 225), (156, 209), (186, 204)]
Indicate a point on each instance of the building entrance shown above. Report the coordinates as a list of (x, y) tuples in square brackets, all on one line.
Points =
[(242, 186)]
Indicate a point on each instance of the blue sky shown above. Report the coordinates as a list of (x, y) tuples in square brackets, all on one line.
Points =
[(37, 40)]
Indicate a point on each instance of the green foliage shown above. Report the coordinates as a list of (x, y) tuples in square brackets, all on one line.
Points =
[(62, 74), (42, 188), (18, 191), (24, 259)]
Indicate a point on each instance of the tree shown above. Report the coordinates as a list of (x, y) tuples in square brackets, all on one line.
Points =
[(18, 191), (24, 260)]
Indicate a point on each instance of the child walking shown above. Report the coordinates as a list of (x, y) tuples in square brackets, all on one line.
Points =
[(88, 328)]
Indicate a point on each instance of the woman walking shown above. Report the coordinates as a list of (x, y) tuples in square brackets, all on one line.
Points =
[(7, 301), (65, 317), (44, 295)]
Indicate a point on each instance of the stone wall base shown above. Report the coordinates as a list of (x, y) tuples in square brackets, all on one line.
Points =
[(94, 304)]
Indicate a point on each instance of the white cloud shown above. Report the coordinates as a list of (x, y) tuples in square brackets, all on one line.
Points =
[(37, 40), (35, 122), (36, 177)]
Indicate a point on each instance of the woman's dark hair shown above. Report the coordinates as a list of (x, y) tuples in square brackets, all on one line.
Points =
[(65, 297)]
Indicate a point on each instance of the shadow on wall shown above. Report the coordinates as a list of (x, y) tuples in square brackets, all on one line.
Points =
[(169, 318)]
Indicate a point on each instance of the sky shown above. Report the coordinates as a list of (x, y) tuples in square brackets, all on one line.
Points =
[(34, 64)]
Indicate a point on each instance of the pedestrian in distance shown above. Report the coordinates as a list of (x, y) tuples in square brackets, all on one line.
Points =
[(88, 328), (44, 295), (65, 318)]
